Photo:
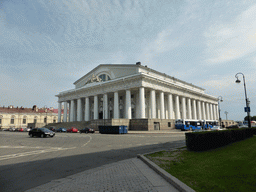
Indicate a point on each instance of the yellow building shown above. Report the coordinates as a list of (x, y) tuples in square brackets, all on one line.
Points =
[(20, 117)]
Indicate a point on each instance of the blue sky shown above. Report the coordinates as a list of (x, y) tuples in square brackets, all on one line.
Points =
[(45, 46)]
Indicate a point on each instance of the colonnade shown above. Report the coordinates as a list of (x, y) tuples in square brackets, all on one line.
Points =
[(138, 104)]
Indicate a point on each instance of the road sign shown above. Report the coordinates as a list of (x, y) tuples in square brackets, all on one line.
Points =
[(247, 109)]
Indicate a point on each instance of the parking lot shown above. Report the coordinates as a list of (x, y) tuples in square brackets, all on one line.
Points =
[(40, 160)]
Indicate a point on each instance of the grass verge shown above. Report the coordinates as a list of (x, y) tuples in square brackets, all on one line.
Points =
[(230, 168)]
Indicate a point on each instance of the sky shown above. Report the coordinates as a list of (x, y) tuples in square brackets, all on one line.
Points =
[(46, 45)]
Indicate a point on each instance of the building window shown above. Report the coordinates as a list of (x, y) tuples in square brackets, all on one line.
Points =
[(35, 120), (12, 120), (54, 120), (104, 77), (169, 124), (24, 120), (45, 120), (0, 121)]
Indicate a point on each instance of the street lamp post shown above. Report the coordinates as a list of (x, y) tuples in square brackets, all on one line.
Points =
[(226, 115), (219, 100), (45, 109), (246, 99)]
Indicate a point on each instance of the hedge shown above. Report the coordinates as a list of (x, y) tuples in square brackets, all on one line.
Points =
[(202, 141)]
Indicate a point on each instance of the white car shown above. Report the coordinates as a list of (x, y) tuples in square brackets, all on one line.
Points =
[(216, 128)]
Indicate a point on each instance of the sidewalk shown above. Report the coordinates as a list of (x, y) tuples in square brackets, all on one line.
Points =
[(127, 175)]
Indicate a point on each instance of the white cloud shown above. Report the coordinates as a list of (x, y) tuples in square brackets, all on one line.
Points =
[(229, 41), (163, 42)]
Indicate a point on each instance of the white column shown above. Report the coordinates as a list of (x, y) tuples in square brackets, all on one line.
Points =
[(217, 112), (72, 110), (96, 112), (177, 107), (203, 111), (162, 113), (59, 112), (153, 103), (116, 105), (128, 110), (79, 109), (199, 110), (184, 112), (65, 111), (189, 108), (69, 108), (207, 112), (214, 112), (87, 109), (142, 102), (105, 111), (211, 115), (194, 108), (170, 106)]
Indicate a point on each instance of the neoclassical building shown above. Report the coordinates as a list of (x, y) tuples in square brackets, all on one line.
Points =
[(20, 117), (135, 95)]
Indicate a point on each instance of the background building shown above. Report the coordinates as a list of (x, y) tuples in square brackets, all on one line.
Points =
[(20, 117)]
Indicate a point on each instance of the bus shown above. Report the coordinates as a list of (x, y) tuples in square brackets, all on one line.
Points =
[(208, 124), (188, 124)]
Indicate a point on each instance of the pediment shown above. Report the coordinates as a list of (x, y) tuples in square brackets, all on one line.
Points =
[(105, 72)]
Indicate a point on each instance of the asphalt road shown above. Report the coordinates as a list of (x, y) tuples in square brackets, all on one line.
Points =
[(29, 162)]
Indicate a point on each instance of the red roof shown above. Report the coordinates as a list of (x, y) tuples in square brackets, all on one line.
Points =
[(27, 110)]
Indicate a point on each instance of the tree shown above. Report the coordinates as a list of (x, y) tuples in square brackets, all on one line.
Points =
[(252, 118)]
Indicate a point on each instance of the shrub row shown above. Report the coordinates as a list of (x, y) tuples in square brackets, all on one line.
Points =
[(202, 141)]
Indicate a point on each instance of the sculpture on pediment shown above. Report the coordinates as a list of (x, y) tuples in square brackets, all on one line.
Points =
[(94, 79)]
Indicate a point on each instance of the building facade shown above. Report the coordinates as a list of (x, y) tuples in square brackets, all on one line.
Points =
[(20, 117), (134, 92)]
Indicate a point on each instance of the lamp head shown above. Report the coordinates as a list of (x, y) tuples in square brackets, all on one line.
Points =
[(238, 81)]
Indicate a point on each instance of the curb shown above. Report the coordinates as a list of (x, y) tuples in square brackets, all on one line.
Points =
[(167, 176)]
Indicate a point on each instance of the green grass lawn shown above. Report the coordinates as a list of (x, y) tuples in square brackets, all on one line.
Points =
[(230, 168)]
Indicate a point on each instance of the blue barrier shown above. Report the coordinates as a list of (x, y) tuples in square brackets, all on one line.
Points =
[(113, 129)]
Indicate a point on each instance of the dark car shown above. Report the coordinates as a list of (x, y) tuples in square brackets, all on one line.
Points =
[(61, 130), (52, 129), (87, 130), (233, 127), (41, 132)]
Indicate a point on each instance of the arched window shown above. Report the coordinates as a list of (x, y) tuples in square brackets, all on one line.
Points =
[(104, 77), (45, 119), (1, 117)]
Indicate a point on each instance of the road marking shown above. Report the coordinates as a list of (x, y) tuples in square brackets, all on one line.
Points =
[(12, 156), (88, 141)]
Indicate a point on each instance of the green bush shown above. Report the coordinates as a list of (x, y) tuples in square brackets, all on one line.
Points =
[(202, 141)]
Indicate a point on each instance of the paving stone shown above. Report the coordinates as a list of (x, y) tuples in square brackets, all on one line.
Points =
[(127, 175)]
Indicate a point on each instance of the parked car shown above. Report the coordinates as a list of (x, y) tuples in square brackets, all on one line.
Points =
[(87, 130), (27, 129), (11, 129), (216, 128), (21, 130), (41, 132), (61, 130), (72, 130), (232, 127), (52, 129)]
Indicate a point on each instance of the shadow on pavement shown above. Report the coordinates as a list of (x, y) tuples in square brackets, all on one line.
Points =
[(24, 176)]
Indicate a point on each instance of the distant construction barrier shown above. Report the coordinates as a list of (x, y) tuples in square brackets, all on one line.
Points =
[(113, 129)]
